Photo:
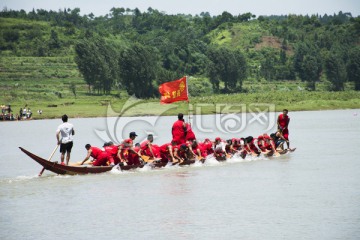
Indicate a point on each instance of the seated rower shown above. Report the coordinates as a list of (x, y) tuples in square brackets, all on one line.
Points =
[(184, 153), (261, 143), (265, 146), (112, 150), (279, 140), (229, 148), (207, 147), (269, 145), (130, 153), (198, 151), (100, 158), (149, 149), (167, 152), (122, 154), (219, 148), (236, 144), (250, 146)]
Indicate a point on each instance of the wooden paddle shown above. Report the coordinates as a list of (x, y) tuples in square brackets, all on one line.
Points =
[(145, 158), (148, 159), (52, 154)]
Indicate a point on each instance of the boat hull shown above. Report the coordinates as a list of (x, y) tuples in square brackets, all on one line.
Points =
[(73, 170)]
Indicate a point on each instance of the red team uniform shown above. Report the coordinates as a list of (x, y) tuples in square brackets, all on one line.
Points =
[(112, 151), (190, 135), (165, 152), (131, 157), (101, 157), (144, 146), (178, 132), (283, 122)]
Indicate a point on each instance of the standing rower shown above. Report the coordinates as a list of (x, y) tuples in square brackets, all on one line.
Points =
[(179, 130), (66, 131), (283, 125)]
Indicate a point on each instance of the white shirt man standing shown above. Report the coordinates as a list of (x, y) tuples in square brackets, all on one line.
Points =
[(66, 131)]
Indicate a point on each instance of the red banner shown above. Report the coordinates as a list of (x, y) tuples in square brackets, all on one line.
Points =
[(174, 91)]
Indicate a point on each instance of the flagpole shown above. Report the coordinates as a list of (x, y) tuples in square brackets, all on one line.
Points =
[(187, 89)]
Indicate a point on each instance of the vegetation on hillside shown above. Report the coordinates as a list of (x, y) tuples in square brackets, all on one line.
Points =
[(50, 56)]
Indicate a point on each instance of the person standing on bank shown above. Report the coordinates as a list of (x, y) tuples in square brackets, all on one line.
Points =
[(64, 136)]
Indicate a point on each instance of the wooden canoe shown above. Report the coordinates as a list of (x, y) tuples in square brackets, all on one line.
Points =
[(73, 170)]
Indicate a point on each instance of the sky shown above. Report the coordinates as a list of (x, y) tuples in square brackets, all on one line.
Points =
[(193, 7)]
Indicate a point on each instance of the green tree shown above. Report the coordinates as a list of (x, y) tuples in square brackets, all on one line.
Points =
[(86, 61), (54, 41), (11, 35), (226, 66), (335, 71), (310, 71), (353, 67), (97, 61), (308, 63), (139, 65)]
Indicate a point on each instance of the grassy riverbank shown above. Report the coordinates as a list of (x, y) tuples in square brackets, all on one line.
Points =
[(46, 84), (98, 106)]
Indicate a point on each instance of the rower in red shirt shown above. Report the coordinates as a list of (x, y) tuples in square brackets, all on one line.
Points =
[(100, 157), (112, 150), (283, 124), (266, 144), (149, 149), (198, 151), (236, 144), (130, 153), (190, 135), (261, 143), (122, 153), (167, 152), (184, 152), (179, 130), (207, 147)]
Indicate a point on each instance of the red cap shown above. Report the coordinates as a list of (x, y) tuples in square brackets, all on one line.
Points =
[(217, 139)]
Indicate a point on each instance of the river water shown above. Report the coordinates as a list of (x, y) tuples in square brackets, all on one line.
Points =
[(312, 193)]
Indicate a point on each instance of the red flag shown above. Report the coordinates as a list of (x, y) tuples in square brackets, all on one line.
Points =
[(174, 91)]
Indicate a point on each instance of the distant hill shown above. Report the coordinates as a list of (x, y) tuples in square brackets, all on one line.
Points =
[(40, 45)]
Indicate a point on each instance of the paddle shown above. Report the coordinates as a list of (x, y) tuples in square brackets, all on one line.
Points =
[(52, 154), (148, 159), (145, 158)]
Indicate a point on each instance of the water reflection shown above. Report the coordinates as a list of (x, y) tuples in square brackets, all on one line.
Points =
[(178, 183)]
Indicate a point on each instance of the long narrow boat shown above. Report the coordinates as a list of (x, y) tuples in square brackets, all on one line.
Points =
[(73, 170)]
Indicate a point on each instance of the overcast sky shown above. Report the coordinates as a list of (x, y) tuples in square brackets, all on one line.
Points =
[(214, 7)]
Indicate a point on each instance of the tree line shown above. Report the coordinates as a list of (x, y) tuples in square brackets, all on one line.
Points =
[(134, 50)]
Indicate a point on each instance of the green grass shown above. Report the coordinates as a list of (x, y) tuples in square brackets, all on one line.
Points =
[(243, 36), (95, 106), (44, 83)]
